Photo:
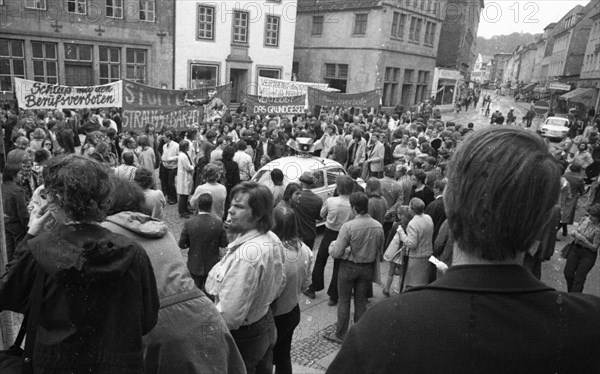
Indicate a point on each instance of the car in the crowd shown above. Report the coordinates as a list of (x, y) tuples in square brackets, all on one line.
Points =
[(324, 171), (555, 127)]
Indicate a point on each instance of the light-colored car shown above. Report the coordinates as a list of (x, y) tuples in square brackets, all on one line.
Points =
[(325, 172), (555, 127)]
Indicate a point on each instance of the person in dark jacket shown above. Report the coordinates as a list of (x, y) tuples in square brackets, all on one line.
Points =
[(307, 206), (204, 235), (99, 295), (188, 321), (487, 314), (16, 216)]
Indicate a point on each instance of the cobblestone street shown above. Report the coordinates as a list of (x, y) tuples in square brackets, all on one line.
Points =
[(311, 353)]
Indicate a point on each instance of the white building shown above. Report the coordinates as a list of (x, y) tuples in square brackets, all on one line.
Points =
[(217, 42)]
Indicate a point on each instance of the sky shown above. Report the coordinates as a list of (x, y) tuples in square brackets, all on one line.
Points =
[(503, 17)]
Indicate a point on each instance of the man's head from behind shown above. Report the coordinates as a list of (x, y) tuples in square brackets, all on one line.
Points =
[(205, 202), (502, 185)]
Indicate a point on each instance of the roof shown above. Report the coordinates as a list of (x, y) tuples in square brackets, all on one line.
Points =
[(335, 5), (485, 59)]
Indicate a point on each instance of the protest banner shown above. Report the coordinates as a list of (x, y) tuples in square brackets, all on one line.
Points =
[(39, 95), (275, 105), (162, 107), (270, 87), (369, 99)]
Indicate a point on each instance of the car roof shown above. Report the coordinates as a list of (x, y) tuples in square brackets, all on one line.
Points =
[(305, 163)]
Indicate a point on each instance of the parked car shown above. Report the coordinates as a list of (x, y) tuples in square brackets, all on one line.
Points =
[(325, 172), (555, 127)]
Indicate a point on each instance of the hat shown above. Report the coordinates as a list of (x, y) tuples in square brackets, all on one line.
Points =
[(307, 178)]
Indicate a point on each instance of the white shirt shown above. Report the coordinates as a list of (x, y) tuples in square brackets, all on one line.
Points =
[(245, 165), (170, 155), (248, 278)]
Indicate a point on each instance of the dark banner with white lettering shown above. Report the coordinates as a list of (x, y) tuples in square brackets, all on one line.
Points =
[(160, 107), (333, 99), (275, 105)]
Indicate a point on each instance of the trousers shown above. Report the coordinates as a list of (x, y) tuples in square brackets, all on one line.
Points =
[(352, 277), (255, 343)]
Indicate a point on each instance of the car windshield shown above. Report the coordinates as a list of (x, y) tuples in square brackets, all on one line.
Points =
[(556, 122)]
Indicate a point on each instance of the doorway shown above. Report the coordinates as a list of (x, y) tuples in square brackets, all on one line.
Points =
[(239, 83)]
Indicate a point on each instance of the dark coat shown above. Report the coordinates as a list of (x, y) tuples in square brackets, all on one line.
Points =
[(308, 212), (204, 235), (258, 153), (15, 205), (99, 299), (437, 213), (476, 319)]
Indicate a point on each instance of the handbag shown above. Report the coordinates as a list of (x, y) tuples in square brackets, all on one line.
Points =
[(567, 249), (16, 360)]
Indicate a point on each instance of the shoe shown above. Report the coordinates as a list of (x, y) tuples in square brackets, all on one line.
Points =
[(309, 293), (184, 216), (386, 293), (332, 302), (333, 337), (171, 202)]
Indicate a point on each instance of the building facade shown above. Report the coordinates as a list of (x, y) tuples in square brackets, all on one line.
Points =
[(458, 36), (480, 73), (357, 46), (233, 42), (86, 42)]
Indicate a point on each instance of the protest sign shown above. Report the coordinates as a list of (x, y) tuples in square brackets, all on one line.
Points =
[(333, 99), (161, 107), (39, 95), (270, 87), (275, 105)]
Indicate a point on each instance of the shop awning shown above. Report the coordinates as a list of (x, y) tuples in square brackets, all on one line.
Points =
[(585, 96), (528, 88)]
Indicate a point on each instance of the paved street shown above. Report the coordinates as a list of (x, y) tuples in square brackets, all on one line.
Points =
[(311, 353)]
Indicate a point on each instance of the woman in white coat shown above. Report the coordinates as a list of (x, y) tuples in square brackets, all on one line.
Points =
[(184, 180)]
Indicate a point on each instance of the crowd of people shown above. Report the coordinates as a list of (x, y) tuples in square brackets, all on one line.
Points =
[(79, 182)]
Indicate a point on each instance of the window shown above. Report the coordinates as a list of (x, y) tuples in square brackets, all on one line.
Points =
[(360, 24), (333, 174), (429, 33), (269, 73), (12, 63), (110, 64), (415, 30), (77, 6), (136, 65), (240, 27), (206, 22), (272, 31), (35, 4), (80, 53), (422, 80), (390, 86), (317, 25), (336, 76), (78, 65), (336, 70), (408, 75), (204, 75), (45, 66), (114, 8), (148, 10), (398, 25)]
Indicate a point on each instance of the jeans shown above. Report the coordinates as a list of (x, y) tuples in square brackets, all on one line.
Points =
[(255, 343), (352, 277), (167, 182), (310, 242), (318, 281), (286, 324), (579, 263)]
